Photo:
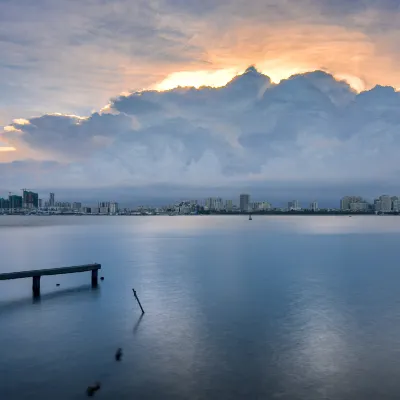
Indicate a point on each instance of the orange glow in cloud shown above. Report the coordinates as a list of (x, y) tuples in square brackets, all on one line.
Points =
[(222, 77), (197, 79), (7, 148), (282, 50)]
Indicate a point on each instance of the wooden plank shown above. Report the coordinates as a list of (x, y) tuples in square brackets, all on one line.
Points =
[(50, 271)]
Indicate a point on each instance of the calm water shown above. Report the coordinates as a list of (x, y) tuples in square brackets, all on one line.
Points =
[(279, 307)]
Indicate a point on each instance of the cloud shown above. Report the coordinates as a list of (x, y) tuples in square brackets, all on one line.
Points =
[(308, 129), (73, 56)]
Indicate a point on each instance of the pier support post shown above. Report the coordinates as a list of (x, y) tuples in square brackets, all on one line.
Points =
[(94, 277), (36, 286)]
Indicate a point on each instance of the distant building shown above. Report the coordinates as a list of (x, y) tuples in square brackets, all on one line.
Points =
[(4, 204), (77, 206), (229, 205), (314, 206), (40, 203), (214, 204), (395, 204), (51, 200), (104, 207), (260, 206), (15, 201), (30, 199), (265, 206), (385, 204), (244, 201), (63, 205), (218, 204), (360, 206), (294, 205), (347, 200), (113, 208), (87, 210)]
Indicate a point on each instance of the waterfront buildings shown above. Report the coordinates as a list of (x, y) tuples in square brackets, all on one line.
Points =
[(113, 209), (15, 201), (29, 203), (244, 202), (229, 205), (294, 205), (261, 206), (395, 204), (76, 206), (4, 204), (355, 203), (30, 199), (214, 204), (359, 206)]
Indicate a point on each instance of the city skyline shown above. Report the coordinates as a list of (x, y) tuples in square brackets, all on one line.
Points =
[(30, 201)]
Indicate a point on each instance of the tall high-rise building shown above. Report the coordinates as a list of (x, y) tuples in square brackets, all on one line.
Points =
[(113, 207), (229, 205), (30, 199), (15, 201), (385, 203), (40, 203), (314, 206), (218, 204), (395, 204), (4, 204), (244, 201), (51, 200)]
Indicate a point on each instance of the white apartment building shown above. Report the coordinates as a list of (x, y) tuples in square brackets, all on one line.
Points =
[(113, 207), (383, 204), (294, 205)]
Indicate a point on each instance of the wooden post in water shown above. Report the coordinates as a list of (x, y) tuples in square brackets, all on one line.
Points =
[(36, 285), (137, 298), (94, 277)]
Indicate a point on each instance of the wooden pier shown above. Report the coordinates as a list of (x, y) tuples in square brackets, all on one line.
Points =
[(38, 273)]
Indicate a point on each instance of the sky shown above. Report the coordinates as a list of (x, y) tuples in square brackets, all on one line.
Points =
[(101, 95)]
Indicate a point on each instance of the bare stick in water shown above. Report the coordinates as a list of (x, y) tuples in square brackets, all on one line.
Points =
[(137, 298)]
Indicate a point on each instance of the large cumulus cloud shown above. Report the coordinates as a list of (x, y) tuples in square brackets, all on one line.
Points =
[(307, 128)]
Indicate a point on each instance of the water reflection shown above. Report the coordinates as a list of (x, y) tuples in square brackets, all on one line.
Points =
[(267, 309), (136, 326), (75, 292)]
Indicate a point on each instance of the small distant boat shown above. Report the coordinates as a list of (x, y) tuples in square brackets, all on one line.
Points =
[(250, 217)]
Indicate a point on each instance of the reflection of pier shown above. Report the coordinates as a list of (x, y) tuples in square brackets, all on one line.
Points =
[(38, 273)]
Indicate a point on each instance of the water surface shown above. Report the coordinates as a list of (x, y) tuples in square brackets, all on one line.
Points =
[(280, 307)]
